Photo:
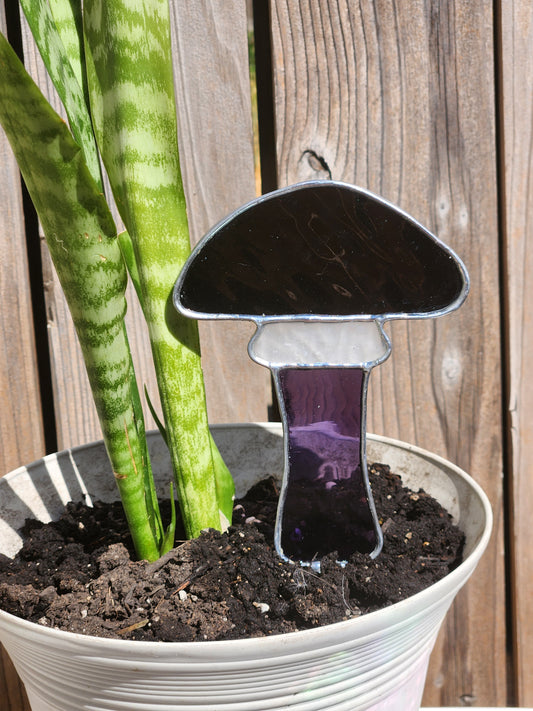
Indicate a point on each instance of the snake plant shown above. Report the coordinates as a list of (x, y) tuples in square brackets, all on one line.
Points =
[(110, 61)]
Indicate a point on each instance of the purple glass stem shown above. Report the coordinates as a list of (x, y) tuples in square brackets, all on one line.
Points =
[(326, 503)]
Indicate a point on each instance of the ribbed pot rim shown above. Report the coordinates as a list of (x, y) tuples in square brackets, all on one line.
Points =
[(374, 623)]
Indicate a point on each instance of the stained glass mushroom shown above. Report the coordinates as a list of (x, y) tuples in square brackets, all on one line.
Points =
[(319, 266)]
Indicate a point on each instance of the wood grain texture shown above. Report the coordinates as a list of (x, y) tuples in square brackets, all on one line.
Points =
[(399, 98), (21, 429), (217, 144), (217, 157), (517, 170), (216, 150), (12, 691), (75, 415)]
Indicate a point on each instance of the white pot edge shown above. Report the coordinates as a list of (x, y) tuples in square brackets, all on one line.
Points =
[(292, 643)]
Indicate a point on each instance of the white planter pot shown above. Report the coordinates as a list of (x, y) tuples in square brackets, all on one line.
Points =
[(376, 662)]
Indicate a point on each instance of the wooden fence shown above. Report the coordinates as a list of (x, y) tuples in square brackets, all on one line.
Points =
[(426, 102)]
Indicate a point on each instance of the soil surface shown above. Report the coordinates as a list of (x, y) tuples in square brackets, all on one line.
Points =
[(77, 574)]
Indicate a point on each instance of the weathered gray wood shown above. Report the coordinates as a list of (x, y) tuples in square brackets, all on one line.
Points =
[(216, 147), (217, 158), (216, 140), (21, 428), (75, 415), (399, 98), (517, 140)]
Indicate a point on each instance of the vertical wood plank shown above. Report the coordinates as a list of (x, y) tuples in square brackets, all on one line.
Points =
[(21, 429), (399, 98), (516, 23), (75, 415), (217, 144), (12, 691), (216, 141), (216, 149)]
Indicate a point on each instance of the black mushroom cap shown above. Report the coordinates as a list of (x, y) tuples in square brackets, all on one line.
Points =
[(320, 249)]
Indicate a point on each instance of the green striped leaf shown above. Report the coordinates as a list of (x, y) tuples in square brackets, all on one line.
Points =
[(131, 91), (65, 68), (68, 19), (81, 237)]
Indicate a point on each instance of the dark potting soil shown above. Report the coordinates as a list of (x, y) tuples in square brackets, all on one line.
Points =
[(78, 573)]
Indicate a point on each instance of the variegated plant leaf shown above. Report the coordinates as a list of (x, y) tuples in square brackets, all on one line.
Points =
[(130, 81), (66, 70), (68, 19), (81, 237)]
